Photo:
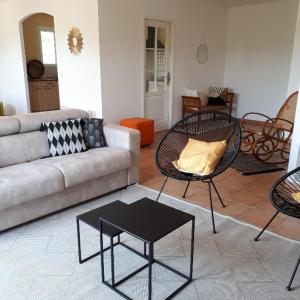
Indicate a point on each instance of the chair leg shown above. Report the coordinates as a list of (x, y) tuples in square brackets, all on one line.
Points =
[(293, 275), (267, 225), (162, 188), (211, 207), (223, 205), (186, 189)]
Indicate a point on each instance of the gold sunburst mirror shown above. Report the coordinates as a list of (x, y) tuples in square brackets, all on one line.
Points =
[(75, 41)]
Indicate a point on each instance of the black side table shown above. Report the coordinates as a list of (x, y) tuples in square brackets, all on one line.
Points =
[(91, 218), (148, 221)]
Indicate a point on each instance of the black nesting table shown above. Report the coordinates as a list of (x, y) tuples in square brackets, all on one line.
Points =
[(146, 220), (91, 218)]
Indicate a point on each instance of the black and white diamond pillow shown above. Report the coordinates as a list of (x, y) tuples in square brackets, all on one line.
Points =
[(215, 91), (64, 137)]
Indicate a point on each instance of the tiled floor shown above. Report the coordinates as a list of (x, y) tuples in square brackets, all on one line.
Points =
[(246, 197)]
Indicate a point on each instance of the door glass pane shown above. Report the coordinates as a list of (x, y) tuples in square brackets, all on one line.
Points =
[(150, 60), (150, 82), (161, 64), (161, 38), (150, 42), (150, 71), (161, 71), (48, 47)]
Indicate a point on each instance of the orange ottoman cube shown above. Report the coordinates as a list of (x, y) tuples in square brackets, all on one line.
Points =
[(145, 126)]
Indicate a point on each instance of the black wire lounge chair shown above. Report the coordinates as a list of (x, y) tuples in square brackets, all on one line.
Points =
[(203, 126), (282, 199)]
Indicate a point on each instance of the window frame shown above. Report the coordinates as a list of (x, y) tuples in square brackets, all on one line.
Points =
[(48, 29)]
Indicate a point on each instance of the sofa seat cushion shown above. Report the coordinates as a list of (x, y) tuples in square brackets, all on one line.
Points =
[(92, 164), (27, 181)]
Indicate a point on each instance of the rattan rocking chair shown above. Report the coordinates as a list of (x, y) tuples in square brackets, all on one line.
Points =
[(270, 142), (203, 126), (281, 198)]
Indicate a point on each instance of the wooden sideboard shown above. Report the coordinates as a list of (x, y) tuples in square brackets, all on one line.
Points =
[(44, 95), (193, 105)]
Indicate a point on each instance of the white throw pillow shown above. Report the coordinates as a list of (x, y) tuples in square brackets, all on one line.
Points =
[(191, 93)]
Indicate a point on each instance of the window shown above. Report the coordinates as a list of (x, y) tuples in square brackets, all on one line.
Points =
[(47, 46)]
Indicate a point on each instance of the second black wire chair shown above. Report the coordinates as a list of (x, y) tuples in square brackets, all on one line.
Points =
[(282, 199), (203, 126)]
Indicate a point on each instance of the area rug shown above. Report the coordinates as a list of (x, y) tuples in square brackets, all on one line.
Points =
[(39, 260), (249, 165)]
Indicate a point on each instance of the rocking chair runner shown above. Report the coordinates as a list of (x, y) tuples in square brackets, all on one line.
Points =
[(204, 126), (281, 198), (274, 135)]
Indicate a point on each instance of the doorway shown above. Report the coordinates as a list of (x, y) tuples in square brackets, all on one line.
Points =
[(40, 56), (157, 72)]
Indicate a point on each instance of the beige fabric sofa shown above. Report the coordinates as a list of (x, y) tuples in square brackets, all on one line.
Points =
[(32, 186)]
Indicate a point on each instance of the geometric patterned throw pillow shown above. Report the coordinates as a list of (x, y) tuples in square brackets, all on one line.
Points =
[(93, 133), (215, 92), (64, 137)]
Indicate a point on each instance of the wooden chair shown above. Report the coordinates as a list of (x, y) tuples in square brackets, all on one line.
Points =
[(193, 104), (270, 141)]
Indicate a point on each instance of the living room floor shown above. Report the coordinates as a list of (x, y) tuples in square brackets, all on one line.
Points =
[(246, 197)]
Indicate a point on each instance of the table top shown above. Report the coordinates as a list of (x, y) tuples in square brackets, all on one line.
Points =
[(146, 219), (92, 217)]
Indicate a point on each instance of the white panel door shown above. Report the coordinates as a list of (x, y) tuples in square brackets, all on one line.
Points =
[(157, 75)]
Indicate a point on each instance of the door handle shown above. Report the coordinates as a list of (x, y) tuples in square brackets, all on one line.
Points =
[(168, 78)]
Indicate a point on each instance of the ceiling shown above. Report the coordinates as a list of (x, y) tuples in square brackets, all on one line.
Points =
[(241, 2)]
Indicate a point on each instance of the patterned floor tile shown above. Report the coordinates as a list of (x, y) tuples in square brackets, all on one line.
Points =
[(218, 290), (267, 291)]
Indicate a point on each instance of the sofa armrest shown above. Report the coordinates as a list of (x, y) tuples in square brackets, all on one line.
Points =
[(118, 136)]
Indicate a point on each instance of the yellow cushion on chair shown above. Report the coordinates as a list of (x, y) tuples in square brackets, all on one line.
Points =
[(200, 157), (296, 196)]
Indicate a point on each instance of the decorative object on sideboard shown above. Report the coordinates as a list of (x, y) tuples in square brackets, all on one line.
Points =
[(202, 54), (75, 41), (35, 69)]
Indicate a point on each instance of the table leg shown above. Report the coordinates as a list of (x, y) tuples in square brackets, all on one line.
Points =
[(192, 249), (145, 249), (102, 252), (150, 271), (112, 260), (78, 240)]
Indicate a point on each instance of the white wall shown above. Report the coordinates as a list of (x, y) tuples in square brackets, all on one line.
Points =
[(259, 52), (295, 148), (294, 85), (295, 63), (79, 76), (121, 43)]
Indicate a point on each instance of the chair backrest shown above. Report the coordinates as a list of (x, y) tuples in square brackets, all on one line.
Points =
[(203, 126), (288, 109), (281, 193)]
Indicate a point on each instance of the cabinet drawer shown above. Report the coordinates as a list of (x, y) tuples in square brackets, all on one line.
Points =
[(191, 102)]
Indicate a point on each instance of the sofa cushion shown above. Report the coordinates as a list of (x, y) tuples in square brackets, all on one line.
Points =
[(93, 133), (23, 147), (64, 137), (33, 121), (92, 164), (9, 125), (27, 181)]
